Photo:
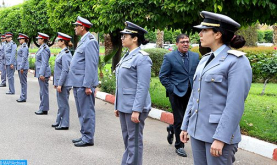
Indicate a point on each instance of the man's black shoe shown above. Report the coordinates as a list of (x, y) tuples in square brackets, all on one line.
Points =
[(20, 101), (82, 144), (170, 134), (61, 128), (76, 140), (2, 85), (181, 152), (41, 112), (55, 125), (10, 93)]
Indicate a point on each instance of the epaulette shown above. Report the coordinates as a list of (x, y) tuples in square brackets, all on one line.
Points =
[(91, 37), (236, 53), (13, 42), (207, 54), (66, 51), (44, 46), (144, 53)]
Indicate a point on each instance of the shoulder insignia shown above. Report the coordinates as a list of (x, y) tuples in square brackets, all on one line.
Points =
[(44, 46), (144, 53), (13, 42), (67, 51), (236, 53), (207, 54), (91, 36)]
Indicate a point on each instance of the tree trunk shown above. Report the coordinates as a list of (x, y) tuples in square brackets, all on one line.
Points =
[(274, 34), (264, 87), (160, 39), (116, 44)]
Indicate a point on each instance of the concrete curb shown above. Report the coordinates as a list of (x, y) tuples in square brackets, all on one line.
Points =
[(247, 143)]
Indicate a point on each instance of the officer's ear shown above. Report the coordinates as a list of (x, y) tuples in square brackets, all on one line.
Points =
[(135, 39)]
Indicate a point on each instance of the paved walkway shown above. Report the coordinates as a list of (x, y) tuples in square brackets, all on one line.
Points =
[(27, 136)]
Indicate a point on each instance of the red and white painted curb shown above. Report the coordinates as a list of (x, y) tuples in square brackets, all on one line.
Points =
[(247, 143)]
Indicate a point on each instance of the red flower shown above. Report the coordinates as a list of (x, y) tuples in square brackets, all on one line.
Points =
[(275, 48)]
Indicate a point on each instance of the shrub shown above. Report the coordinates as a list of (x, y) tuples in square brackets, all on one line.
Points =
[(260, 36), (52, 64), (156, 56), (268, 36), (250, 35), (108, 83), (32, 62)]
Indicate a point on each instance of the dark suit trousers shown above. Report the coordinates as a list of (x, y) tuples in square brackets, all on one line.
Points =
[(179, 105)]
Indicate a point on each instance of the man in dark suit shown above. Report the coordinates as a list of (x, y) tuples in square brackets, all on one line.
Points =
[(176, 75)]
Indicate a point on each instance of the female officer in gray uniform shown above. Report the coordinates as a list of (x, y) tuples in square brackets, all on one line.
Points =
[(133, 101), (43, 72), (23, 65), (221, 84), (61, 70)]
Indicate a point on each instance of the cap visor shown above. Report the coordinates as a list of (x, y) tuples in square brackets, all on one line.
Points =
[(203, 27), (76, 23), (38, 38), (125, 32)]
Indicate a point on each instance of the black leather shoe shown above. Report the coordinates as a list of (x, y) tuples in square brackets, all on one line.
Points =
[(181, 152), (10, 93), (170, 134), (20, 101), (61, 128), (41, 112), (55, 125), (76, 140), (2, 85), (82, 144)]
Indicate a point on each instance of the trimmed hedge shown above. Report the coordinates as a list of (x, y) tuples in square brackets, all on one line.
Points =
[(156, 55)]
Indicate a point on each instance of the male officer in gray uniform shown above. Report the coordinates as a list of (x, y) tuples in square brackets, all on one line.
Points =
[(43, 72), (2, 61), (83, 76), (10, 51), (23, 66)]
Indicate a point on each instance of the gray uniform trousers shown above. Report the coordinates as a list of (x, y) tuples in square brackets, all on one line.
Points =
[(86, 113), (201, 149), (44, 94), (23, 83), (133, 138), (3, 74), (10, 75), (63, 111)]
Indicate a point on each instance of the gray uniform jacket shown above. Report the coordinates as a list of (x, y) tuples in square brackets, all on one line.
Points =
[(2, 55), (217, 101), (61, 69), (10, 51), (42, 61), (84, 64), (22, 57), (133, 74)]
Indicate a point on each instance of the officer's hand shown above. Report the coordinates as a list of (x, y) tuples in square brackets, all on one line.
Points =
[(135, 117), (216, 148), (55, 87), (184, 137), (42, 78), (116, 113), (11, 66), (21, 71), (59, 89), (88, 91)]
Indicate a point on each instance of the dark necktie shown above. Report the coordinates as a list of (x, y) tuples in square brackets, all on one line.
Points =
[(186, 62), (210, 59)]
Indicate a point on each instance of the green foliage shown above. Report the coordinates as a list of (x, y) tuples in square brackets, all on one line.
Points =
[(268, 36), (32, 63), (260, 36), (250, 35), (108, 82), (151, 36), (52, 64), (156, 56)]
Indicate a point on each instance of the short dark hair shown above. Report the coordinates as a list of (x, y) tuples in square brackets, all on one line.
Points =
[(181, 36)]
